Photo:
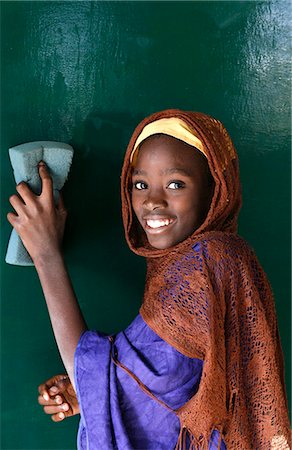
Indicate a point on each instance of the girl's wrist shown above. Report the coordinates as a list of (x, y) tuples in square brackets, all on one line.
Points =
[(53, 258)]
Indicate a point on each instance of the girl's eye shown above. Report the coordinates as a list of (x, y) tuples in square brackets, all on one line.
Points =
[(176, 185), (140, 185)]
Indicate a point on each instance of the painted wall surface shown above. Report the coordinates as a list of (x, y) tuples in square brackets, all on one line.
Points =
[(85, 73)]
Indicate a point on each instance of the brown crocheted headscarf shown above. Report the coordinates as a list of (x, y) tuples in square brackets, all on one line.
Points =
[(209, 298)]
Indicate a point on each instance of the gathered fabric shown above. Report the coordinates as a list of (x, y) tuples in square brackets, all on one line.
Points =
[(129, 386), (209, 298)]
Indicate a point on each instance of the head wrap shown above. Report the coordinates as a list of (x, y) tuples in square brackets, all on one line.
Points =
[(209, 298), (220, 152), (172, 126)]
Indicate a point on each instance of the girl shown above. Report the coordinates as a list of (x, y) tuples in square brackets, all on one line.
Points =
[(201, 366)]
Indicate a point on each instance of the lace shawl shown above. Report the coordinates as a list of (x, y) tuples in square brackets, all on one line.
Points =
[(209, 298)]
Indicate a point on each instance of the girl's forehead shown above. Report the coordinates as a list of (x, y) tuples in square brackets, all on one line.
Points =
[(167, 149)]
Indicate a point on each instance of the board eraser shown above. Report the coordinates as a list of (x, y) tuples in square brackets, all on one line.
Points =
[(24, 160)]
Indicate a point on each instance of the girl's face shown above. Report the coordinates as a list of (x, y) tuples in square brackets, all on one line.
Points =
[(172, 190)]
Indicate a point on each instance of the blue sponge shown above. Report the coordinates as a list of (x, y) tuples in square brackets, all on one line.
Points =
[(24, 159)]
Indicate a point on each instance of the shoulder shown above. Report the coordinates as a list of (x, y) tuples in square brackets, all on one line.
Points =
[(219, 249), (218, 254), (217, 241)]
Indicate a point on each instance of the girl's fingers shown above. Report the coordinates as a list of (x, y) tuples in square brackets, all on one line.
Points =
[(54, 390), (56, 409), (52, 399), (49, 401), (48, 393), (24, 191), (52, 386), (47, 182), (43, 390), (16, 203), (59, 417), (12, 218)]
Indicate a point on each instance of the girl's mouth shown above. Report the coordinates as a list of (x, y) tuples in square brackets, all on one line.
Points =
[(158, 225)]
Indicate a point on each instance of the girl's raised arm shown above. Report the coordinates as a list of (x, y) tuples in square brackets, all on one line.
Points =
[(40, 224)]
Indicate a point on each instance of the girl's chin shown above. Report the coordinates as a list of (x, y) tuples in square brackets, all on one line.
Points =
[(160, 244)]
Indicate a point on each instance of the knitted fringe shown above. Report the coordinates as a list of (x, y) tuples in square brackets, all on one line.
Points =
[(196, 444)]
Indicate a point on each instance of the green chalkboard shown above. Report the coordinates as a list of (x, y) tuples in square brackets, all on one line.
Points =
[(85, 73)]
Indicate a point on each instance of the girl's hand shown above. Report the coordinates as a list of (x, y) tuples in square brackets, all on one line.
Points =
[(39, 223), (58, 398)]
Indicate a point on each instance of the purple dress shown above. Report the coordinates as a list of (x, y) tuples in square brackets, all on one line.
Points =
[(116, 414)]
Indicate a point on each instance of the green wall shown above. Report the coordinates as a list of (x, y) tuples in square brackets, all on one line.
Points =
[(85, 73)]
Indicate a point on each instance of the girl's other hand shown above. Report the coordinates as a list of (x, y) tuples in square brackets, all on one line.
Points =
[(58, 398), (37, 220)]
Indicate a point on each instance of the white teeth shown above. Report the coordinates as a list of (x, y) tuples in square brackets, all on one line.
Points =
[(158, 223)]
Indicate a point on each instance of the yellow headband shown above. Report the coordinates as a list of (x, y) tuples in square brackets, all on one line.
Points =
[(171, 126)]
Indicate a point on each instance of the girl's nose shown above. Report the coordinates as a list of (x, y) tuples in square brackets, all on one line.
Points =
[(154, 201)]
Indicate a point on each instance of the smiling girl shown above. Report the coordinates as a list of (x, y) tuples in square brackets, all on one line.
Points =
[(201, 366), (172, 189)]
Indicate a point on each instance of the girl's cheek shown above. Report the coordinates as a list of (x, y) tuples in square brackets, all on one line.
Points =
[(136, 203)]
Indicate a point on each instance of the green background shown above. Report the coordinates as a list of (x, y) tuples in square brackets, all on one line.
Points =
[(86, 73)]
